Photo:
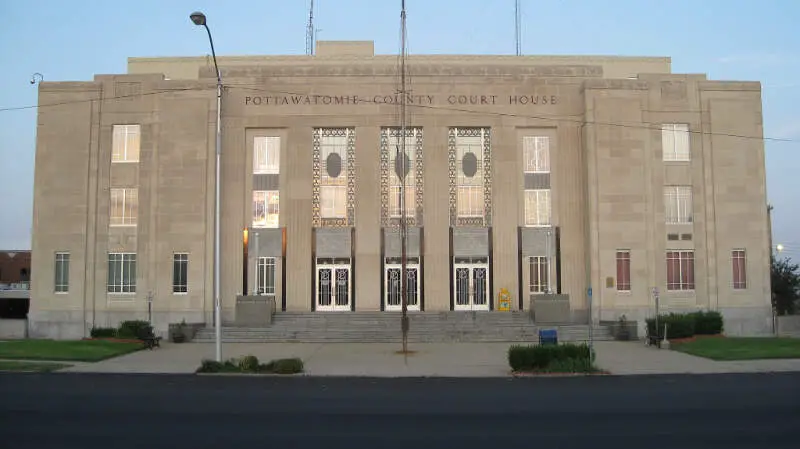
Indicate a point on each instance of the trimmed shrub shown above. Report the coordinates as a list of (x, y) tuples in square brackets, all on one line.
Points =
[(685, 325), (679, 325), (708, 322), (135, 329), (103, 332), (539, 357), (286, 366), (249, 364)]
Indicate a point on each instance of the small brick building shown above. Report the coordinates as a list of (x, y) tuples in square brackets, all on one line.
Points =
[(15, 266)]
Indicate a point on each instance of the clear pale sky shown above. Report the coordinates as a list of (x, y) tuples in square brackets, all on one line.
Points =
[(725, 39)]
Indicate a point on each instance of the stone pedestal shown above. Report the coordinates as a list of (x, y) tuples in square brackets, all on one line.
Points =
[(550, 309), (254, 311)]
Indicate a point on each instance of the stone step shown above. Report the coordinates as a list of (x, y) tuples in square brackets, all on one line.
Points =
[(380, 327)]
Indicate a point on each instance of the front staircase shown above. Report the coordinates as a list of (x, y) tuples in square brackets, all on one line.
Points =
[(384, 327)]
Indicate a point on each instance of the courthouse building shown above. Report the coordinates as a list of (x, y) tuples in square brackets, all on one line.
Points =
[(536, 175)]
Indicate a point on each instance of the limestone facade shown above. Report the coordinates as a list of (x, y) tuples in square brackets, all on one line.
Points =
[(530, 174)]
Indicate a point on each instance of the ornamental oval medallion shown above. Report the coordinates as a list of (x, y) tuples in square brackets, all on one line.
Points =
[(469, 165), (333, 165), (398, 166)]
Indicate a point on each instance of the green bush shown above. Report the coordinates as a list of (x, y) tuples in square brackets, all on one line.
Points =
[(539, 357), (679, 325), (135, 329), (684, 325), (103, 332), (581, 365), (708, 322), (285, 366), (249, 364)]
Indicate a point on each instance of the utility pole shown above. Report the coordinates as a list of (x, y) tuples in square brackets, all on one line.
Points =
[(404, 324)]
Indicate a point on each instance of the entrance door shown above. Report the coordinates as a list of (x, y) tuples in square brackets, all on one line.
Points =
[(333, 285), (471, 283), (391, 278)]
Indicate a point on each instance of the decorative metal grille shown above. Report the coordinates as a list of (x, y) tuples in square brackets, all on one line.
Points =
[(317, 177), (388, 136), (455, 172)]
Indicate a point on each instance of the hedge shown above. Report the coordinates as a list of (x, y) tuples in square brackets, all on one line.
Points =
[(685, 325), (549, 357)]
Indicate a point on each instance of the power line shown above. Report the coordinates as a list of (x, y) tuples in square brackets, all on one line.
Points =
[(88, 100), (559, 118), (552, 118)]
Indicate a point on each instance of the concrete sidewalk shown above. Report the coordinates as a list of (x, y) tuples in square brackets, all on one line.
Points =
[(429, 359)]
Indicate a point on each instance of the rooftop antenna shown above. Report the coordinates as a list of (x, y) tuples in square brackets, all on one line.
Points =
[(310, 31), (518, 26)]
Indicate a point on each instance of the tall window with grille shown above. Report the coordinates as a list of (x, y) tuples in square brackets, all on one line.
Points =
[(539, 267), (62, 272), (265, 276), (536, 168), (623, 270), (124, 206), (121, 273), (675, 142), (180, 273), (739, 265), (680, 270), (266, 194), (678, 204), (125, 143), (333, 175), (470, 176), (399, 165)]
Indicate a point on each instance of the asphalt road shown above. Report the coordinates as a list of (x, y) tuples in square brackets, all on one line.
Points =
[(754, 411)]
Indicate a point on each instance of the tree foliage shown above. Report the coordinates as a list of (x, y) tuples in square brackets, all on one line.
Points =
[(785, 286)]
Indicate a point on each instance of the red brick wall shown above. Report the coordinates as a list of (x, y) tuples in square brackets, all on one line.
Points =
[(16, 268)]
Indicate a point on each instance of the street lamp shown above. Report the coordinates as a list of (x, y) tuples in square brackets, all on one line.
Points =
[(199, 19)]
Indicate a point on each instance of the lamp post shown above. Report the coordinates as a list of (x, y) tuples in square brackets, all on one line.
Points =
[(199, 19)]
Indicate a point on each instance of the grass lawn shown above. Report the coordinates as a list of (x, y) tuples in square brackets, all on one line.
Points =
[(77, 350), (36, 367), (733, 348)]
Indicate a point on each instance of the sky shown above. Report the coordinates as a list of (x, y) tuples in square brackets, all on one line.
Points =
[(725, 39)]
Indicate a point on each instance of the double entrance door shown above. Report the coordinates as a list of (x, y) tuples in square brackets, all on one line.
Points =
[(471, 283), (333, 286), (393, 272)]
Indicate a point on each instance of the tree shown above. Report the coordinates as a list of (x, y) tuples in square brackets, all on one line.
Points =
[(785, 286)]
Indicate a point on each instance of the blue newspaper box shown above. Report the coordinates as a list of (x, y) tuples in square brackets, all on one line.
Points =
[(548, 337)]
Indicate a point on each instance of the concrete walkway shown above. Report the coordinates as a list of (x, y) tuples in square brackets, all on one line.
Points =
[(430, 359)]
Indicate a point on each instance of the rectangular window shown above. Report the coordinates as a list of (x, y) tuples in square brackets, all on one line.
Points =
[(395, 150), (678, 204), (121, 273), (62, 273), (266, 276), (333, 176), (124, 206), (333, 201), (266, 208), (125, 143), (180, 272), (675, 142), (470, 201), (266, 155), (537, 207), (739, 261), (680, 270), (623, 270), (536, 154), (539, 274), (469, 178)]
